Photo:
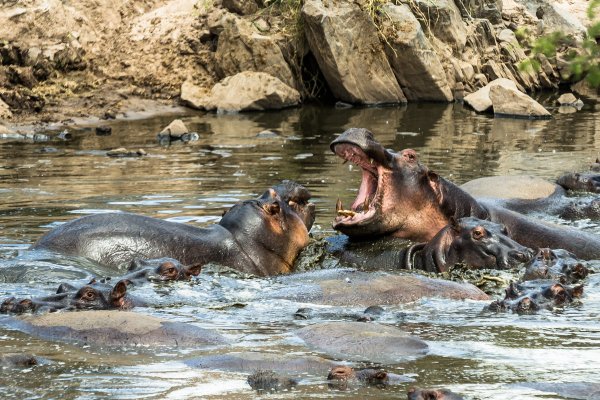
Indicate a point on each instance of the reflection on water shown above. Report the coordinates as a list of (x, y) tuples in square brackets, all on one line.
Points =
[(481, 355)]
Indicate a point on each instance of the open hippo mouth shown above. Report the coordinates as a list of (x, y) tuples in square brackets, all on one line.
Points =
[(359, 147)]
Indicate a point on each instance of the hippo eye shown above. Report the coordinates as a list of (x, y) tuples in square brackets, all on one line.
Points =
[(478, 233), (89, 295)]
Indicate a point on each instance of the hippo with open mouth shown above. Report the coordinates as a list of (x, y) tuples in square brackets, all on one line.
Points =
[(262, 236), (401, 197)]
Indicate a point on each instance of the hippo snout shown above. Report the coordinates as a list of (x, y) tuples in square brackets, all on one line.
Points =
[(523, 255)]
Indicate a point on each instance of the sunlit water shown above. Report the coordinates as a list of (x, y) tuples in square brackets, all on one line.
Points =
[(477, 354)]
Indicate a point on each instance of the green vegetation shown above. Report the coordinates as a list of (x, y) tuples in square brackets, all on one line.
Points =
[(583, 61)]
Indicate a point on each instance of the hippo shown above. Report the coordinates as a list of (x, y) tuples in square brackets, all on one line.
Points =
[(557, 264), (470, 241), (18, 360), (529, 297), (269, 380), (262, 236), (343, 376), (93, 296), (348, 287), (361, 341), (432, 394), (401, 197), (114, 329)]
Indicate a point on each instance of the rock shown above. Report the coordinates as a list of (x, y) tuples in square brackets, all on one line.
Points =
[(192, 95), (350, 55), (555, 16), (123, 152), (583, 88), (480, 100), (486, 9), (413, 59), (114, 328), (242, 48), (506, 35), (4, 110), (566, 110), (511, 102), (175, 129), (569, 99), (250, 91), (103, 130), (360, 341), (571, 390), (444, 20), (242, 7)]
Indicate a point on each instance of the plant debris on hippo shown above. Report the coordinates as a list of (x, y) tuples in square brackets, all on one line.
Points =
[(261, 236), (401, 197)]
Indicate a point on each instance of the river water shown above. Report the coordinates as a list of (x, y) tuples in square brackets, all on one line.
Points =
[(483, 356)]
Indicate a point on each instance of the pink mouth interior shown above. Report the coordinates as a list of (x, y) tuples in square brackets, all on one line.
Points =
[(368, 185)]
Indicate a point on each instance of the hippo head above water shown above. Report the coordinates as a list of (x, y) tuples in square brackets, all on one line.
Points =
[(397, 195), (93, 296), (160, 270), (475, 242)]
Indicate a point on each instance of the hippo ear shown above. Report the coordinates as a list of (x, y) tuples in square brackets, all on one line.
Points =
[(434, 184), (272, 208), (192, 270), (577, 291), (453, 222), (65, 287), (119, 290)]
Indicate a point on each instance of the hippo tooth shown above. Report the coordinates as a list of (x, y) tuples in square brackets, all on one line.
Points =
[(346, 213), (338, 205), (366, 204), (371, 161)]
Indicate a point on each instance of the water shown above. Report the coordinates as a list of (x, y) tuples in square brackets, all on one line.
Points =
[(484, 356)]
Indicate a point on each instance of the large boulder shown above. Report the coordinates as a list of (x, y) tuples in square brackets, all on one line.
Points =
[(248, 91), (5, 112), (487, 9), (359, 341), (242, 48), (413, 59), (114, 328), (555, 16), (511, 102), (345, 43), (443, 18), (480, 100)]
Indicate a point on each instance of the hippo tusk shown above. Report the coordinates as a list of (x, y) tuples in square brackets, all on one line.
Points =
[(346, 213), (338, 205)]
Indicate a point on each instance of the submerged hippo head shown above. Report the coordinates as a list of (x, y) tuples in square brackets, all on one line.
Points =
[(160, 270), (475, 242), (557, 264), (432, 394), (397, 195), (269, 231), (529, 297), (92, 296)]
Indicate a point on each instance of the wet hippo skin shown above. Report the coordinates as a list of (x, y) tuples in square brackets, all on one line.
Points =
[(262, 236), (401, 197)]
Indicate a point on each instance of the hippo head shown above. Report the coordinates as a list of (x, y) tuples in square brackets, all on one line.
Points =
[(556, 264), (92, 296), (475, 242), (397, 194), (267, 229), (160, 270), (432, 394), (297, 197), (529, 297)]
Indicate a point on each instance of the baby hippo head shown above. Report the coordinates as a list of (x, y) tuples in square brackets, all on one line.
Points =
[(93, 296), (160, 270)]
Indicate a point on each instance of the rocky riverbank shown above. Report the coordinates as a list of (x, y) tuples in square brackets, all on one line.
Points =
[(61, 62)]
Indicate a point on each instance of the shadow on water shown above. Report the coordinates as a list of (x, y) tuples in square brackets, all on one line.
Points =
[(481, 355)]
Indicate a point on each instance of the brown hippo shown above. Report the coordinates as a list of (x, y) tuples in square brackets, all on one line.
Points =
[(558, 265), (360, 341), (343, 376), (93, 296), (432, 394), (401, 197), (529, 297), (262, 236), (113, 329)]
